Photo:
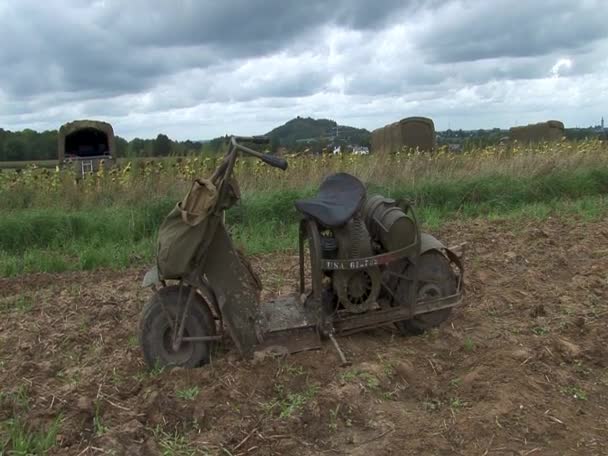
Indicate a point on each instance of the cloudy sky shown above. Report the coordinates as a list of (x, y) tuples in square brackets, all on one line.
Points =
[(202, 68)]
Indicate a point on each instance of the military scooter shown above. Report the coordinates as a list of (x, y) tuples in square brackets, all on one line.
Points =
[(369, 266)]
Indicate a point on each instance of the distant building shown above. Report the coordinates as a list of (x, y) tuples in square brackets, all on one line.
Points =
[(360, 150)]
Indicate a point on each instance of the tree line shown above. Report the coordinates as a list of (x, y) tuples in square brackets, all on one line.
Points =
[(30, 145)]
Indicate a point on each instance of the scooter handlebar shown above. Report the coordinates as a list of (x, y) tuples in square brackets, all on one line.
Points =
[(268, 159), (274, 161), (253, 139)]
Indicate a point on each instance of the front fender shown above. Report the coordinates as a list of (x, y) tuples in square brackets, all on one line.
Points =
[(151, 278)]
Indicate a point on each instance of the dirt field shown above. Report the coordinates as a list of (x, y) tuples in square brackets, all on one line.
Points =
[(520, 369)]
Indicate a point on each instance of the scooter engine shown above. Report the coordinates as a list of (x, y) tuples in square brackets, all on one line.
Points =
[(357, 290)]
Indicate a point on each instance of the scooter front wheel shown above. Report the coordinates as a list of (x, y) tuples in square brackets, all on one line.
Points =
[(157, 323)]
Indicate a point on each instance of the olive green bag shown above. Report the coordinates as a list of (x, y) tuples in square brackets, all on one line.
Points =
[(183, 230)]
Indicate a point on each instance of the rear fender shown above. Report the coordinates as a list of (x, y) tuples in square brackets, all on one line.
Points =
[(428, 242), (454, 254)]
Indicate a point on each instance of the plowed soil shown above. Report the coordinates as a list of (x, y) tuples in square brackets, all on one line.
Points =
[(520, 369)]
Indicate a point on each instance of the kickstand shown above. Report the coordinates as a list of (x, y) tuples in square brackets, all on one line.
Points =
[(343, 359)]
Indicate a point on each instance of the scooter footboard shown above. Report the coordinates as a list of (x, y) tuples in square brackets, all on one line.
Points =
[(287, 326)]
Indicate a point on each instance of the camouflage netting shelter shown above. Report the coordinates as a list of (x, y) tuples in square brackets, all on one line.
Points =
[(418, 132), (86, 143), (552, 130), (377, 140), (411, 133)]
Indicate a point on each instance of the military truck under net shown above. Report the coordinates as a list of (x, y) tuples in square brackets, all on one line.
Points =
[(87, 144), (409, 133), (552, 130)]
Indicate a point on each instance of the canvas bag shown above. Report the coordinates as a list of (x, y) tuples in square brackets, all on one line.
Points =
[(183, 230)]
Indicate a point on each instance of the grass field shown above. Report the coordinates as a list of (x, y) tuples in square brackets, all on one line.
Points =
[(51, 223)]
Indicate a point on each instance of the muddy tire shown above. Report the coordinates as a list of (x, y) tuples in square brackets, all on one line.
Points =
[(155, 332), (435, 279)]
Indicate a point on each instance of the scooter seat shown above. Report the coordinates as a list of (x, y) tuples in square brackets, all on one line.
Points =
[(339, 197)]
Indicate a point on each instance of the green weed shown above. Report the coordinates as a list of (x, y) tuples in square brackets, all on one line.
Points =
[(98, 425), (456, 403), (18, 303), (18, 439), (455, 382), (576, 392), (288, 402), (188, 394), (367, 380), (133, 341), (540, 331), (175, 444), (469, 344)]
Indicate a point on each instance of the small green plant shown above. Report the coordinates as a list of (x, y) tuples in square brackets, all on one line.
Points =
[(288, 403), (456, 403), (98, 425), (293, 370), (157, 369), (153, 372), (576, 392), (580, 368), (133, 341), (17, 438), (455, 382), (20, 303), (432, 405), (388, 368), (22, 397), (389, 395), (19, 397), (540, 330), (333, 418), (369, 381), (188, 394), (175, 444), (469, 344), (70, 377), (116, 377)]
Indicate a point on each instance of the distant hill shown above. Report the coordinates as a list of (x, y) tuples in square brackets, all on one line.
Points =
[(306, 130)]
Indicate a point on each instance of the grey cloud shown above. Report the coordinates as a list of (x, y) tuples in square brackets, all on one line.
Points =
[(115, 47), (253, 27), (473, 30), (183, 63)]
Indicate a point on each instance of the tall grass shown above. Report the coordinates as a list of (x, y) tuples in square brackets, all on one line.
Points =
[(51, 223), (140, 181)]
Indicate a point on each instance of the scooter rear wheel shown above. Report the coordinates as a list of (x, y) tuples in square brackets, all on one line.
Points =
[(156, 329), (436, 279)]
